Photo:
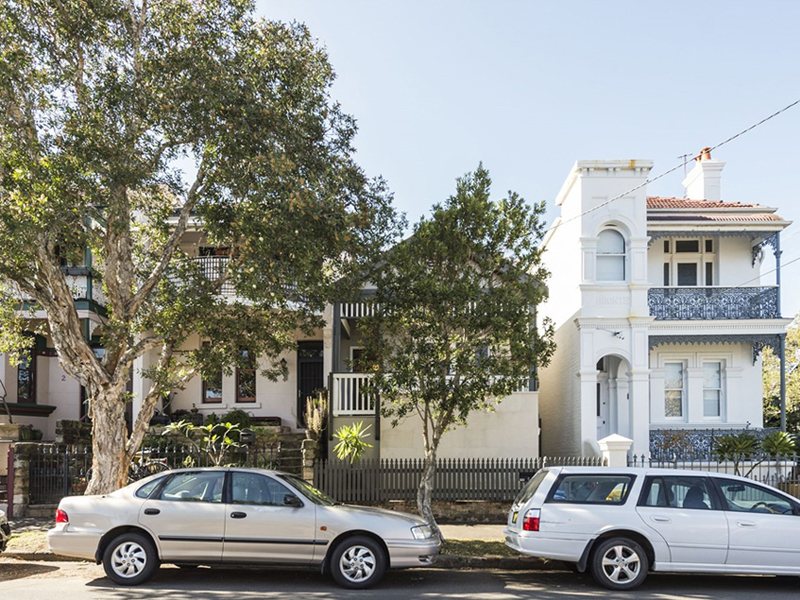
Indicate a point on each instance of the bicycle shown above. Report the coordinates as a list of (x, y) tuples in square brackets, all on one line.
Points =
[(142, 467)]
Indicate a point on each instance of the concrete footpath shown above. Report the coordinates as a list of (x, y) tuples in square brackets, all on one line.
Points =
[(462, 533)]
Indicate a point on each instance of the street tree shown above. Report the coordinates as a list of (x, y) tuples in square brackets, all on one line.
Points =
[(126, 123), (455, 327), (772, 381)]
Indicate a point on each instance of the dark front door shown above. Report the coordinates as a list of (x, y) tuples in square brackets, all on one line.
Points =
[(309, 375)]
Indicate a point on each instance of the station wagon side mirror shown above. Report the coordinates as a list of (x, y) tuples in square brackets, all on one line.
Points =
[(292, 500)]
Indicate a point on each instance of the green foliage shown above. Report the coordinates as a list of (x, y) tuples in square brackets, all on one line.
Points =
[(238, 417), (735, 446), (351, 444), (213, 440), (778, 443), (771, 381), (121, 120)]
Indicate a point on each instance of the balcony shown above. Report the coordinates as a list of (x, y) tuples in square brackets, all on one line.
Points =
[(703, 303), (214, 267), (348, 397), (84, 285)]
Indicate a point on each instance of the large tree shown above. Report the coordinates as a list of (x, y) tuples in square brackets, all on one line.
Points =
[(455, 330), (772, 382), (125, 123)]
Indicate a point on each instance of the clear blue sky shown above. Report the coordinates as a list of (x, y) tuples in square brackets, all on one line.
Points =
[(529, 87)]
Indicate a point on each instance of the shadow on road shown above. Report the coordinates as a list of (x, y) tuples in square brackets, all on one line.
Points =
[(11, 571), (218, 583)]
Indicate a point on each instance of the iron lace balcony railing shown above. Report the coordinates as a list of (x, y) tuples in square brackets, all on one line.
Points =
[(702, 303)]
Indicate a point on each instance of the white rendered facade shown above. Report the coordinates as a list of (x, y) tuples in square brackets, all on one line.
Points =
[(658, 306)]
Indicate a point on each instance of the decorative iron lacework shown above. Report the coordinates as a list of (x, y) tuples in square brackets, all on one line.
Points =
[(753, 235), (693, 444), (702, 303), (770, 241), (759, 341)]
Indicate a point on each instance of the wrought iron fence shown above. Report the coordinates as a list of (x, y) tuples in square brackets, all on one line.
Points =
[(694, 444), (782, 472), (377, 481), (679, 303), (61, 470)]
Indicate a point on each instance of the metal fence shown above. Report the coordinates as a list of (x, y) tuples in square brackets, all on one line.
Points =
[(782, 472), (377, 481), (63, 470)]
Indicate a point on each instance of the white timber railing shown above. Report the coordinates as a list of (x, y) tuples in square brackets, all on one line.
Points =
[(349, 397)]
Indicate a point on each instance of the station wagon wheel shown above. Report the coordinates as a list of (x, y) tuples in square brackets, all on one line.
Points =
[(358, 562), (619, 564), (130, 559)]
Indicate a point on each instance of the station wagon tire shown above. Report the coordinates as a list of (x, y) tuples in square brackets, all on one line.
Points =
[(358, 562), (619, 564), (130, 559)]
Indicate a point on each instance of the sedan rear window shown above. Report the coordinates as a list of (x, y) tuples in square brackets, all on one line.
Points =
[(592, 489)]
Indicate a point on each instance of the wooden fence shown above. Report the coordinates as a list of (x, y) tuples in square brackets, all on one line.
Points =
[(378, 481)]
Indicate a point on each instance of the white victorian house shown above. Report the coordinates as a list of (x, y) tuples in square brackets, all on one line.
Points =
[(660, 307)]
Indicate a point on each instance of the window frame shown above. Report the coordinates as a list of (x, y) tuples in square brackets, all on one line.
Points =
[(242, 370), (791, 501), (704, 259), (158, 493), (230, 484), (683, 389), (550, 499), (620, 256), (711, 489), (30, 369), (204, 386), (720, 390)]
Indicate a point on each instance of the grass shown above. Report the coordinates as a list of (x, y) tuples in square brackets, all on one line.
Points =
[(28, 541)]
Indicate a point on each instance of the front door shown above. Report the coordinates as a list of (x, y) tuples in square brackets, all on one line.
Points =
[(188, 516), (310, 376), (260, 527)]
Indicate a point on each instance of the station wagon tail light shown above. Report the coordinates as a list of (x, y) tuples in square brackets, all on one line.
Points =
[(531, 520), (421, 532), (61, 516)]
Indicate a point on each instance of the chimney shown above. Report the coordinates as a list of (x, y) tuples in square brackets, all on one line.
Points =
[(704, 181)]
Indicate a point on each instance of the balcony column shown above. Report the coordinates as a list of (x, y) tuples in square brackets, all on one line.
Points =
[(778, 253)]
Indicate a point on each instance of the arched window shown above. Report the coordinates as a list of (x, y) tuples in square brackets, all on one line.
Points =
[(610, 256)]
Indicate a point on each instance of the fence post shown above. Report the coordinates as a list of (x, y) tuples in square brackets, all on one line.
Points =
[(615, 449), (10, 481)]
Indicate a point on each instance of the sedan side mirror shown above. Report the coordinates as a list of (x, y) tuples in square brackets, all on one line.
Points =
[(292, 500)]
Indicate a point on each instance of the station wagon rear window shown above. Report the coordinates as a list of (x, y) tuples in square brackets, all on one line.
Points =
[(592, 489)]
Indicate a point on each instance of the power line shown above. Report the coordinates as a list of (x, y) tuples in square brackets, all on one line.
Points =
[(676, 167), (760, 275)]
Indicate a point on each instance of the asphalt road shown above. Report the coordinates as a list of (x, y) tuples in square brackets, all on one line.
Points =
[(80, 581)]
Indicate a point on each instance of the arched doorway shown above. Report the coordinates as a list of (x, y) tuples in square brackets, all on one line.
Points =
[(613, 396)]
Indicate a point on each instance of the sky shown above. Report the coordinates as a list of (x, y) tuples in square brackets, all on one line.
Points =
[(529, 87)]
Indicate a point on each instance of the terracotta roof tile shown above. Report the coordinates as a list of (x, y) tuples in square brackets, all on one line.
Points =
[(660, 202), (716, 218)]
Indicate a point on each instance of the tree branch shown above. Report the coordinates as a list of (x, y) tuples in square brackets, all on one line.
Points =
[(172, 244)]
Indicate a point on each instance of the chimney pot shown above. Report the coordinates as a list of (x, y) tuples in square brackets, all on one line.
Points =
[(705, 154)]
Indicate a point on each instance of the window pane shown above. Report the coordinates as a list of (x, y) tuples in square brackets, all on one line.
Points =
[(205, 486), (666, 246), (598, 489), (746, 497), (711, 403), (666, 273), (712, 375), (673, 403), (687, 273), (709, 245), (249, 488), (687, 246), (679, 492), (246, 385), (610, 242), (673, 376), (709, 273), (610, 268)]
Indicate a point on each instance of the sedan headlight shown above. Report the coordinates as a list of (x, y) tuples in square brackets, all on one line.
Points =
[(422, 532)]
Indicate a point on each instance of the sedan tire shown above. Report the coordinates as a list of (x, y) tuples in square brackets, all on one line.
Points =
[(130, 559), (358, 562), (619, 564)]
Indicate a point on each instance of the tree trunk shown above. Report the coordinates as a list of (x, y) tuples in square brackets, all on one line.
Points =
[(426, 488), (109, 470)]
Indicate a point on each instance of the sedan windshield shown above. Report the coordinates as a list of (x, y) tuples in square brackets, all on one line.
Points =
[(308, 490)]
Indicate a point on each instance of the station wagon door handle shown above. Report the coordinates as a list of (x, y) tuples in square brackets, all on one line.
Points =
[(152, 511), (238, 515), (745, 524), (661, 519)]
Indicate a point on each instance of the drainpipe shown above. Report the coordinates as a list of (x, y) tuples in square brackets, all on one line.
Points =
[(337, 343)]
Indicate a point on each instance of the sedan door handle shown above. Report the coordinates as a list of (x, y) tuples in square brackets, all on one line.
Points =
[(662, 519), (238, 515), (152, 511), (745, 524)]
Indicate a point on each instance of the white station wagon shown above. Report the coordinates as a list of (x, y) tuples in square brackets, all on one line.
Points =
[(237, 516), (621, 523)]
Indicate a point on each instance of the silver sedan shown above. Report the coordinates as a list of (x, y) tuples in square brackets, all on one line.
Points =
[(242, 516)]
